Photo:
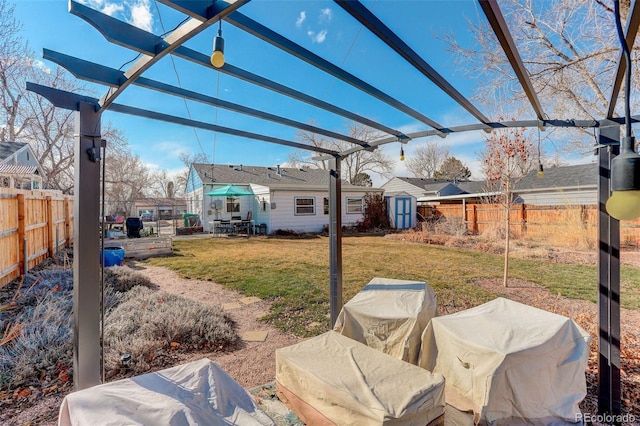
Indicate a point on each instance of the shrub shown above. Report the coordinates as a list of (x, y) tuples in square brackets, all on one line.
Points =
[(147, 321), (375, 215)]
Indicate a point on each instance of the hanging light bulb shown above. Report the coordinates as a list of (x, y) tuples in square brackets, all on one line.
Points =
[(401, 153), (217, 58), (624, 203), (540, 171)]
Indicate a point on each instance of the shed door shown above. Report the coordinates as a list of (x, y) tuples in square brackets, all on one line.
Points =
[(403, 212)]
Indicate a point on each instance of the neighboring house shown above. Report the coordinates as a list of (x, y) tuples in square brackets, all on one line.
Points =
[(421, 187), (19, 167), (283, 198), (160, 208), (564, 185)]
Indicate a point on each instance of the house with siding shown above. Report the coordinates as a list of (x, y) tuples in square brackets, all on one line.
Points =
[(284, 198), (563, 185), (19, 167)]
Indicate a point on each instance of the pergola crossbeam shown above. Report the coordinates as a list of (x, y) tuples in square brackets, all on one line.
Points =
[(376, 26), (501, 30), (71, 101), (162, 48), (633, 24), (144, 41), (252, 27), (101, 74)]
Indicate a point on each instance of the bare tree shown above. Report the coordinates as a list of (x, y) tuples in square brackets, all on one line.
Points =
[(506, 160), (570, 49), (362, 161), (126, 180), (427, 159)]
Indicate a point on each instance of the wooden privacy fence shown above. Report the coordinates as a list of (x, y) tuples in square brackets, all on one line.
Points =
[(33, 226), (564, 225)]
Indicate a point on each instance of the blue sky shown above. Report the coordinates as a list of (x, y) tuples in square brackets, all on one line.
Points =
[(320, 26)]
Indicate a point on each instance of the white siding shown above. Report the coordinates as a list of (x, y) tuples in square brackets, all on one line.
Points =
[(263, 195), (555, 198), (283, 216), (398, 185)]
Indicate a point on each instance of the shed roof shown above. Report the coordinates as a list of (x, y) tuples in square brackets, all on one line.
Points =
[(18, 169)]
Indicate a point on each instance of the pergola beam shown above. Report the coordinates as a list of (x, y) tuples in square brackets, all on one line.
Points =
[(501, 30), (101, 74), (633, 24), (68, 100), (144, 42), (255, 28), (160, 49), (384, 33)]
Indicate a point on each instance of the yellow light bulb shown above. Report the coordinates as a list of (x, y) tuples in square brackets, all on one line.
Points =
[(217, 59), (540, 174), (401, 154), (624, 205)]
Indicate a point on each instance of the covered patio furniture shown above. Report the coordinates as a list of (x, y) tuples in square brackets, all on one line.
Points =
[(509, 363), (197, 393), (333, 380), (134, 226), (389, 315)]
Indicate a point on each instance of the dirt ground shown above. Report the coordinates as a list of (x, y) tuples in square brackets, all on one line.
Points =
[(253, 364)]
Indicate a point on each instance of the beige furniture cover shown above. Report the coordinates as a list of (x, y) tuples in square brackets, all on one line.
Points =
[(389, 315), (506, 361), (198, 393), (332, 379)]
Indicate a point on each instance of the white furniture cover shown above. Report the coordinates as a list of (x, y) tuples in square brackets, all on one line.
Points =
[(198, 393), (507, 361), (389, 315), (332, 379)]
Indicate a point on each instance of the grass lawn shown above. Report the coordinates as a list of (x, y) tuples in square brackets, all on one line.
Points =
[(294, 273)]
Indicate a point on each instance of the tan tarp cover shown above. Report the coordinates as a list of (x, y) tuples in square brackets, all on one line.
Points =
[(507, 361), (389, 315), (349, 383), (198, 393)]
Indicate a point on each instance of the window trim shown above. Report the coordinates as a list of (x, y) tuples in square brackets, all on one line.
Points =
[(233, 200), (361, 199), (296, 206)]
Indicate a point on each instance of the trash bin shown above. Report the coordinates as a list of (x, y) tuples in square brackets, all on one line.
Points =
[(113, 256), (134, 225)]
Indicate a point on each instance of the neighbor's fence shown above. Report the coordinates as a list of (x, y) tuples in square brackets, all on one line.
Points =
[(564, 225), (33, 226)]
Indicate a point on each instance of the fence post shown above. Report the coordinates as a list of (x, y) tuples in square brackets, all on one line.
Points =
[(50, 225), (67, 221), (523, 220), (474, 225), (23, 259)]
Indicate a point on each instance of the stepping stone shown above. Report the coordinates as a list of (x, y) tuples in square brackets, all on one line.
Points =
[(255, 336), (250, 300), (230, 306)]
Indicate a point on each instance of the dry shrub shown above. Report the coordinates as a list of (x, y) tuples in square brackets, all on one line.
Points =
[(122, 279), (146, 321), (453, 226)]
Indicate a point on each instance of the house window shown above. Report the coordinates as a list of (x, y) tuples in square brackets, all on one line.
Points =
[(326, 205), (233, 205), (354, 205), (305, 206)]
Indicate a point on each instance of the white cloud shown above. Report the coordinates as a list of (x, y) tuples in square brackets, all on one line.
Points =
[(38, 64), (325, 15), (111, 9), (301, 19), (141, 15), (317, 37)]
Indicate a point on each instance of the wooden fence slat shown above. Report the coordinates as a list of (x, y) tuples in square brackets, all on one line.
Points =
[(32, 217)]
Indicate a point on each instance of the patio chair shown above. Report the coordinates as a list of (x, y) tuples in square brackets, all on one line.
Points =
[(246, 224), (225, 227)]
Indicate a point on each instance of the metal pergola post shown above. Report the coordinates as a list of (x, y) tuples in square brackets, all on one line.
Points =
[(609, 388), (335, 238), (86, 262)]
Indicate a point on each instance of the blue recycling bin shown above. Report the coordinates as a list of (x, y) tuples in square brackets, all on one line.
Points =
[(113, 256)]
